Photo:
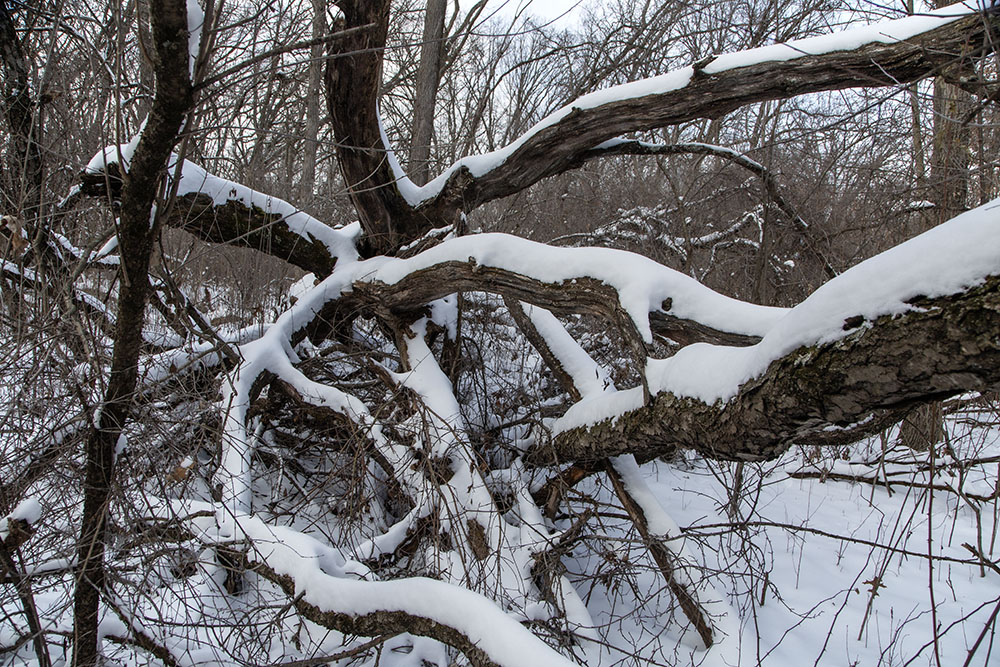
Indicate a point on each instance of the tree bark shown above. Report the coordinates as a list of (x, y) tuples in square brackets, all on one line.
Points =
[(136, 236), (353, 82), (831, 394), (665, 560), (428, 79), (353, 77), (231, 222)]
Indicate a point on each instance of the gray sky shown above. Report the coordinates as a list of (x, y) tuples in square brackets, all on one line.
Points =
[(543, 9)]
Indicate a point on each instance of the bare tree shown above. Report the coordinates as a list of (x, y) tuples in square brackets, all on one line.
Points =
[(444, 510), (136, 239)]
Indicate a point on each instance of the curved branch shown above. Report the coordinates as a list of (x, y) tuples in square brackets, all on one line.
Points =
[(573, 296), (234, 222), (452, 615), (394, 210), (217, 210), (622, 287), (883, 55)]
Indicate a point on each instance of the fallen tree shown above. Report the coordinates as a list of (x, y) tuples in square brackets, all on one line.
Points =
[(728, 379)]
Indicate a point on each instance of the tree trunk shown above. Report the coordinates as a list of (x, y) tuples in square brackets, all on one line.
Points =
[(949, 182), (428, 79), (19, 108), (136, 238), (353, 82), (307, 185)]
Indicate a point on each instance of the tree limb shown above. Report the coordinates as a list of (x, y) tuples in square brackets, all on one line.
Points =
[(829, 394), (580, 128), (708, 89), (232, 221), (573, 296), (664, 558)]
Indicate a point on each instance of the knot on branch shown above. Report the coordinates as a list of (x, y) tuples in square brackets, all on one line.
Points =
[(699, 65)]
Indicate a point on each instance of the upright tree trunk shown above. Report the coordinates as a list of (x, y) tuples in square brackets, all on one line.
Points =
[(949, 191), (24, 166), (353, 81), (428, 79), (136, 237), (314, 97), (950, 159)]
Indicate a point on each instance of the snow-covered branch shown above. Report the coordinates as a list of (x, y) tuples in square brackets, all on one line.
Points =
[(914, 324), (882, 54), (221, 211)]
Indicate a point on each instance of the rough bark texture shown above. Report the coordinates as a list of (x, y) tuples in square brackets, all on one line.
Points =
[(353, 82), (232, 222), (821, 395), (250, 227), (136, 237), (352, 85), (428, 79)]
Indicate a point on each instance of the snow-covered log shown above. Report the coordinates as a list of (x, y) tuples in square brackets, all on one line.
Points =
[(913, 325)]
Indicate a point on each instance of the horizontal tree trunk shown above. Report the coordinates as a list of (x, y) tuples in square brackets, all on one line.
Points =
[(829, 394)]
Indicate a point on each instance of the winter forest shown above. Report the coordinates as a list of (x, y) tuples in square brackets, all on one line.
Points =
[(369, 333)]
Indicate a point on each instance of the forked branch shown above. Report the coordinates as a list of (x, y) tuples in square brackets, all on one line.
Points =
[(394, 211)]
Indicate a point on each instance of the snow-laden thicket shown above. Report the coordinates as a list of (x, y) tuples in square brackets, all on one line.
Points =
[(387, 472)]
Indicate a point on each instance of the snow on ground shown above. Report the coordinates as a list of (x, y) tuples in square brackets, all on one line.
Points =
[(831, 599), (818, 586)]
